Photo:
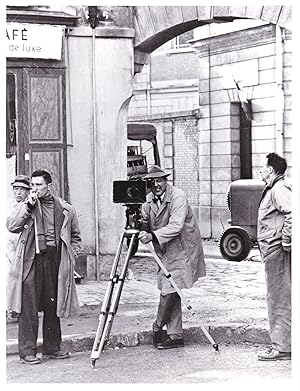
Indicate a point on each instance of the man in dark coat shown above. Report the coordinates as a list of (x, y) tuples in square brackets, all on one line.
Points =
[(168, 222), (41, 273), (274, 233)]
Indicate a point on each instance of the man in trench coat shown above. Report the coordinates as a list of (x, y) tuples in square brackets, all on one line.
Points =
[(168, 222), (274, 233), (41, 276), (21, 188)]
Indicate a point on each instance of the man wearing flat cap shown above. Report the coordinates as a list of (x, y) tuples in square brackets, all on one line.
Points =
[(168, 222), (21, 189)]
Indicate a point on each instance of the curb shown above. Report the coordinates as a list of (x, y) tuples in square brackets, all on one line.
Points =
[(225, 334), (210, 251)]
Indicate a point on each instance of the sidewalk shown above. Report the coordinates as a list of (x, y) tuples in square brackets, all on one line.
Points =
[(229, 301)]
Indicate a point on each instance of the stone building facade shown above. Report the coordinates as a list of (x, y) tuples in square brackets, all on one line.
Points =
[(213, 141), (68, 112)]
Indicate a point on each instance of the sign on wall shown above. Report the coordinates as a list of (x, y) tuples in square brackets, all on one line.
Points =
[(33, 41)]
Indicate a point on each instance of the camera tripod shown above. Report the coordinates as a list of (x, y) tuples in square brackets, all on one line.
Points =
[(111, 300)]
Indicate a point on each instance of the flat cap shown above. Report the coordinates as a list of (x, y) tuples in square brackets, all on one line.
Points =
[(21, 181)]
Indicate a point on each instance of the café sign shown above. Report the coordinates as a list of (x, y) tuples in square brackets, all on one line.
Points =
[(33, 41)]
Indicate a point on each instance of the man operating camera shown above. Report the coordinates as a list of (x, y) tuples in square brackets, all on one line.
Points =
[(168, 222)]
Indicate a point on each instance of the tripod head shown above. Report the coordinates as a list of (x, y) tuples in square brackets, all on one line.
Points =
[(132, 194), (133, 216)]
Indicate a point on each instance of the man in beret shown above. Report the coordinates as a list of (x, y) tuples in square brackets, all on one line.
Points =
[(168, 222)]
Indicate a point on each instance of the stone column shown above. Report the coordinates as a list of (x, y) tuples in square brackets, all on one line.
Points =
[(204, 127), (113, 91)]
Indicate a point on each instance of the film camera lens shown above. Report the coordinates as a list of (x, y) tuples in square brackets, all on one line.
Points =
[(133, 192), (129, 192)]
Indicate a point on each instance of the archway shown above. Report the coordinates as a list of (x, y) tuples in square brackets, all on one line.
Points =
[(156, 25), (157, 28)]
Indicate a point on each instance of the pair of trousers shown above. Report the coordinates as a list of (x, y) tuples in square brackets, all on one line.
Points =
[(278, 281), (39, 293), (169, 313)]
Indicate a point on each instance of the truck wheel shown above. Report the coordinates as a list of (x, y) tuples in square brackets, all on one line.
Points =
[(235, 244)]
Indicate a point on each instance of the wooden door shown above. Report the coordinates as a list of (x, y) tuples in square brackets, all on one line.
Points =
[(44, 140)]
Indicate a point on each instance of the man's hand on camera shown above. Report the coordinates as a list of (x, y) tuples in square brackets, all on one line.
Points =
[(145, 237), (32, 197)]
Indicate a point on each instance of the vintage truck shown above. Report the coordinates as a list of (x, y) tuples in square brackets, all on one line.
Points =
[(243, 198)]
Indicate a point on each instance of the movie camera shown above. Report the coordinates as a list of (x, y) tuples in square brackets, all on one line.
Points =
[(132, 194)]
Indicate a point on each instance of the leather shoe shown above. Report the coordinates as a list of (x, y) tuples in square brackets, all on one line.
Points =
[(159, 337), (56, 356), (30, 359), (171, 343), (273, 355)]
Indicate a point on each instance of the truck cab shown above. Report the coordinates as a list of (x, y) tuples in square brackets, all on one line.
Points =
[(140, 155), (137, 161)]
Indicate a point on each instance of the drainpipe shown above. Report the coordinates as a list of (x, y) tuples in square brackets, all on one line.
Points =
[(210, 130), (68, 91), (210, 143), (95, 150), (279, 132), (148, 95)]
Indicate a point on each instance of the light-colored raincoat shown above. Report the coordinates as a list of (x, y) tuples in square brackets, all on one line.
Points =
[(273, 231), (179, 243), (21, 220)]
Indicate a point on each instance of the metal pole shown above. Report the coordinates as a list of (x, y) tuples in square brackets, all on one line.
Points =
[(97, 247)]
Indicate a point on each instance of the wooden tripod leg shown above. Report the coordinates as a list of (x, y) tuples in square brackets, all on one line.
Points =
[(107, 301), (106, 325), (117, 296)]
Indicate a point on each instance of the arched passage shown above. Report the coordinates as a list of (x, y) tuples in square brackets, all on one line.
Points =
[(156, 25)]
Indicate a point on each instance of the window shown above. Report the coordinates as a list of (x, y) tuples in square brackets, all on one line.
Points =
[(181, 41)]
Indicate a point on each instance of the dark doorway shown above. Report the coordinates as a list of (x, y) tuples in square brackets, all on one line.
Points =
[(245, 145)]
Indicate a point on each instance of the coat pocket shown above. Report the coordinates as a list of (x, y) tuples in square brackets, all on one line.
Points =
[(266, 234)]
